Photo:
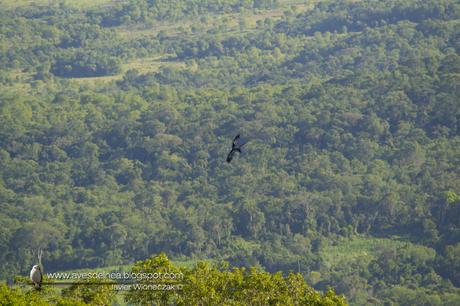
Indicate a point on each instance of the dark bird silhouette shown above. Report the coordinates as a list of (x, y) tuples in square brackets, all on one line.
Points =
[(236, 147)]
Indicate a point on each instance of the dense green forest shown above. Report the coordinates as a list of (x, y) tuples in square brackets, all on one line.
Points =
[(116, 118)]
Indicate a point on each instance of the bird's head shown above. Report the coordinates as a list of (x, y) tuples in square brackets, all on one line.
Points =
[(36, 267)]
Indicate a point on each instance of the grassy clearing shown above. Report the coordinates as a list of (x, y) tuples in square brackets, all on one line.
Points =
[(228, 22), (277, 13), (81, 4), (101, 79), (21, 81), (358, 248), (142, 65), (151, 64)]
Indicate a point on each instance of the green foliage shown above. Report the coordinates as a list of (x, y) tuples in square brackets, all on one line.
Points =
[(94, 292), (145, 11), (16, 297), (452, 197), (155, 264), (350, 109), (207, 284), (85, 65), (449, 263), (202, 284)]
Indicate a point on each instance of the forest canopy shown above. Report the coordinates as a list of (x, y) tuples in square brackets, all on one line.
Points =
[(115, 121)]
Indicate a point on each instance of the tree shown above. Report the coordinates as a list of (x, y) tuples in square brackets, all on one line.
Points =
[(206, 284)]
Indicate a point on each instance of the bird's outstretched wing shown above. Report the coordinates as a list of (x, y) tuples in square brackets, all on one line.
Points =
[(230, 156), (236, 141)]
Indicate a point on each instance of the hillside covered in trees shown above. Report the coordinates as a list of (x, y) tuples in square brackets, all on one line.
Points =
[(116, 118)]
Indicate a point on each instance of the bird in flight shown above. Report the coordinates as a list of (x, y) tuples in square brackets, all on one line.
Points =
[(236, 147)]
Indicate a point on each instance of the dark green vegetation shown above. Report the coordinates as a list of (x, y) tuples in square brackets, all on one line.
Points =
[(352, 108)]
